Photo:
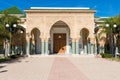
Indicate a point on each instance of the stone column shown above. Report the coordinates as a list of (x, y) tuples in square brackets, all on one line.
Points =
[(92, 48), (73, 45), (6, 48), (47, 46), (89, 47), (92, 43), (42, 46), (103, 49), (116, 51), (77, 46), (85, 49), (95, 49), (28, 44)]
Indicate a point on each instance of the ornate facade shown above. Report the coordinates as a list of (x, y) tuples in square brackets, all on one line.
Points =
[(60, 30)]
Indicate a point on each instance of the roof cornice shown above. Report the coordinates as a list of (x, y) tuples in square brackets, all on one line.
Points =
[(65, 8), (60, 10)]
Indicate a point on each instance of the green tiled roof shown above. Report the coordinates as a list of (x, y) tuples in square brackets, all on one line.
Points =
[(12, 10), (23, 16)]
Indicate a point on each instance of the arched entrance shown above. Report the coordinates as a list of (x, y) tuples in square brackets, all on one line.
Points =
[(35, 42), (84, 40), (59, 38)]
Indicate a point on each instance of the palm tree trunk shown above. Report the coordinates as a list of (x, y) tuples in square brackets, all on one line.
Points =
[(97, 44)]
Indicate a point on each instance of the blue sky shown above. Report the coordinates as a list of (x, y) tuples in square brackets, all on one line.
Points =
[(104, 8)]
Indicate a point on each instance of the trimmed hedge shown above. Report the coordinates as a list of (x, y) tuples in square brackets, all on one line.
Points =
[(106, 55), (2, 59)]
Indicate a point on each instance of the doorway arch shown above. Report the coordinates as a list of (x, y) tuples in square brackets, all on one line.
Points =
[(84, 40), (35, 41), (59, 38)]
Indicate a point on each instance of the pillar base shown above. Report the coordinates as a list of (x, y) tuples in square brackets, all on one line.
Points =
[(26, 55)]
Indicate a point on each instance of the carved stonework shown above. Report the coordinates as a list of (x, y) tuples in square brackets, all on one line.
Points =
[(75, 20), (46, 21)]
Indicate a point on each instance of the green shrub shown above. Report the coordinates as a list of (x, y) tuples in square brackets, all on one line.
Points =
[(106, 55), (4, 59), (0, 57), (14, 56)]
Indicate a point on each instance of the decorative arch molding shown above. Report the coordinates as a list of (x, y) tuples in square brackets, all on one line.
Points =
[(84, 33), (34, 29), (35, 41), (62, 29), (84, 28), (28, 31), (60, 21), (66, 22)]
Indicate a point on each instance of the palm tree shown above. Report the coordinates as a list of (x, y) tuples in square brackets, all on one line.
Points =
[(97, 43), (3, 32), (109, 31), (117, 31), (7, 19)]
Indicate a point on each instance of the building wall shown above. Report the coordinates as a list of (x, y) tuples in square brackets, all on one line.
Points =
[(75, 21)]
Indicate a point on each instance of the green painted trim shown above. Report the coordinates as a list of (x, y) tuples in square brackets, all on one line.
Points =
[(70, 49), (77, 48), (100, 48), (95, 47), (28, 48), (89, 48), (92, 48), (46, 48), (103, 49), (73, 47), (42, 47), (116, 51), (85, 49)]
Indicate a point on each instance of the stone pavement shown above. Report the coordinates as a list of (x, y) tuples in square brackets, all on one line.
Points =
[(33, 68), (60, 68), (63, 69), (97, 68)]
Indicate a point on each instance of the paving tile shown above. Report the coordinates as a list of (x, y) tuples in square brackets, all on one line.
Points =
[(63, 69), (60, 67), (97, 68), (28, 69)]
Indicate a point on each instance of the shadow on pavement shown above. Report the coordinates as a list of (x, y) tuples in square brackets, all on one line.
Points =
[(12, 60), (2, 66), (3, 71)]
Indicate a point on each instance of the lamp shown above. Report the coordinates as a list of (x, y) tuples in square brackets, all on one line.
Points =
[(112, 37), (10, 29)]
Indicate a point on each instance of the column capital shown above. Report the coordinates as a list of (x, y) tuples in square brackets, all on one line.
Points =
[(73, 39), (27, 38), (92, 40), (42, 39), (77, 39), (28, 34), (46, 39)]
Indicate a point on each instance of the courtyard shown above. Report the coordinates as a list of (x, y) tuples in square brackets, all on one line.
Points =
[(60, 67)]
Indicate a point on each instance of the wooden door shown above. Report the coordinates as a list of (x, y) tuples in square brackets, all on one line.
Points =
[(59, 43)]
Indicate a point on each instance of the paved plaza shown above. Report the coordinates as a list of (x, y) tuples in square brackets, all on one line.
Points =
[(60, 67)]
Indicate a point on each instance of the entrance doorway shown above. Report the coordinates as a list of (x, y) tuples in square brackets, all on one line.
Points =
[(59, 43), (59, 38)]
